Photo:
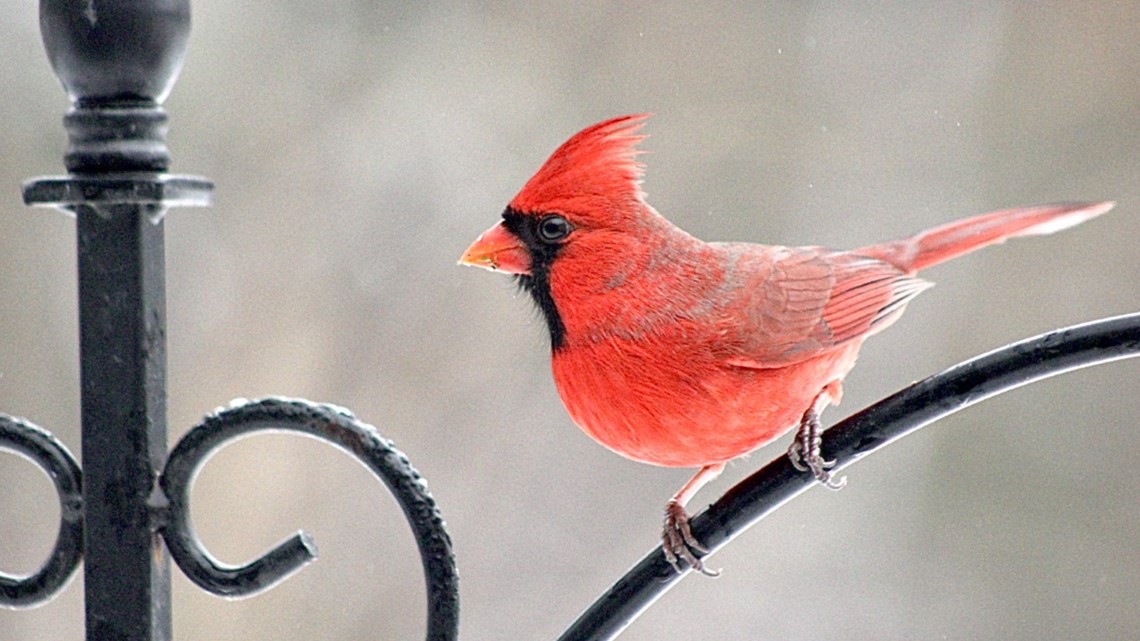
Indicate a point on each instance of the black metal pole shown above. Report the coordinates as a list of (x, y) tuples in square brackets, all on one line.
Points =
[(123, 371), (118, 59)]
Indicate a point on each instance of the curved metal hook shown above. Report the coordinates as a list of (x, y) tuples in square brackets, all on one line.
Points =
[(338, 427), (857, 436), (46, 451)]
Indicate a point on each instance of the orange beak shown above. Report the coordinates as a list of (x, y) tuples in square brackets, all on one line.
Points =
[(497, 249)]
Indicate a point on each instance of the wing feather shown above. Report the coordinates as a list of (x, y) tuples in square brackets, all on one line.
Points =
[(797, 303)]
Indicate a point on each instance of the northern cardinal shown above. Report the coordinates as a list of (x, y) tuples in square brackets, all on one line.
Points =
[(683, 353)]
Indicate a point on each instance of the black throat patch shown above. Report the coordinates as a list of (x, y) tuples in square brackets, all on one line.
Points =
[(537, 283)]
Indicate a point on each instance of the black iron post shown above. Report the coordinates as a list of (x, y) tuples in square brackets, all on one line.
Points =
[(117, 60)]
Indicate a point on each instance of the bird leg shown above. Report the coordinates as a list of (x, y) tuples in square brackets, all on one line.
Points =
[(677, 540), (804, 452)]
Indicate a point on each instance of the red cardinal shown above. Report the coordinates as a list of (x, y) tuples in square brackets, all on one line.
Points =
[(678, 352)]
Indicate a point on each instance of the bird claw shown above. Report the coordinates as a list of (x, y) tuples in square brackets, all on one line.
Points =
[(804, 453), (678, 542)]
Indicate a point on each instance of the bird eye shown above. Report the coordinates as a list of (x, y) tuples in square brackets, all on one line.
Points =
[(553, 228)]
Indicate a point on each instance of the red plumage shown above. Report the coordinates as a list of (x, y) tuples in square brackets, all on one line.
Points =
[(673, 351), (596, 170)]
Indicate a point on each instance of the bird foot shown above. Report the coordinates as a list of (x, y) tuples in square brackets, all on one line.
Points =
[(805, 455), (678, 541)]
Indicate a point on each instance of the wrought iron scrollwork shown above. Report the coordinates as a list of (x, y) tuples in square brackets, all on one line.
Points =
[(340, 428), (47, 452)]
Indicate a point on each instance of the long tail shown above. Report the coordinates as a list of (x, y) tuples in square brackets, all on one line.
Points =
[(951, 240)]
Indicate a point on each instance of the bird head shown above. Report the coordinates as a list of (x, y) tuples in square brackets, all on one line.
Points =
[(590, 183), (586, 199)]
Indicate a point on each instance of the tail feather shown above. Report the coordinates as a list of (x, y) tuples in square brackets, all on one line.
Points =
[(951, 240)]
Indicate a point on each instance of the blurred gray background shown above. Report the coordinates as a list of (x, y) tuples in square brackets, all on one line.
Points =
[(358, 147)]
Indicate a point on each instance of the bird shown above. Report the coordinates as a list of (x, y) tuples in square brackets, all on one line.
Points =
[(677, 352)]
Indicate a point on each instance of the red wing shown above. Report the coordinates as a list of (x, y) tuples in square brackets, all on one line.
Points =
[(790, 304)]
